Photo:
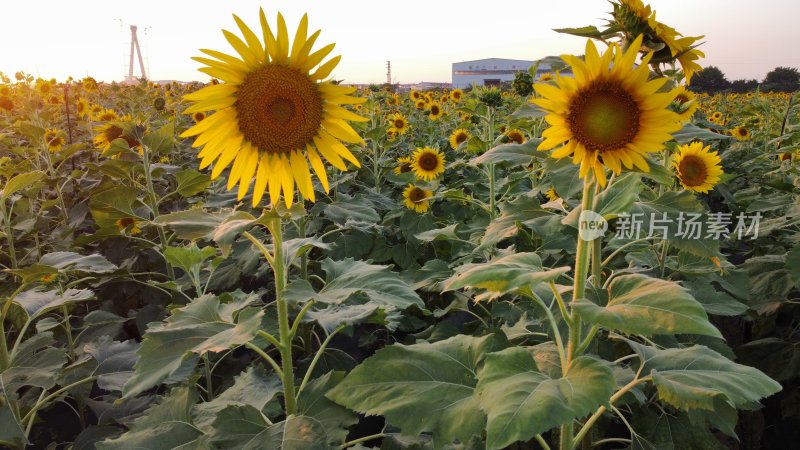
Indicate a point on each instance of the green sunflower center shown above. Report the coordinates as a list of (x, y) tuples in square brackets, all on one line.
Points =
[(604, 116), (693, 170), (279, 108)]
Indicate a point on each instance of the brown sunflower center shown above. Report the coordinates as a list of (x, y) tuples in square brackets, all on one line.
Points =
[(604, 117), (461, 137), (399, 123), (693, 170), (428, 161), (416, 195), (681, 98), (434, 110), (742, 131), (279, 108), (516, 137), (125, 222), (405, 167)]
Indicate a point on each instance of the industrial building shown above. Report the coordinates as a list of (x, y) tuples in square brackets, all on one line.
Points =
[(492, 71)]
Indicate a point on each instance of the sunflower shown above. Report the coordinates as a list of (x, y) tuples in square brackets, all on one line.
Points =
[(547, 76), (44, 87), (456, 94), (54, 140), (106, 115), (428, 163), (458, 137), (274, 114), (552, 195), (715, 117), (6, 103), (609, 114), (198, 116), (685, 104), (698, 168), (444, 99), (415, 95), (741, 133), (82, 107), (404, 165), (89, 84), (129, 225), (420, 104), (392, 100), (391, 135), (108, 132), (416, 198), (435, 111), (515, 136), (399, 123)]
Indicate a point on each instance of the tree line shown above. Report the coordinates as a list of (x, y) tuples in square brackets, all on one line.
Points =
[(711, 80)]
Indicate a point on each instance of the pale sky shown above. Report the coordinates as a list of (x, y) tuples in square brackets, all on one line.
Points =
[(744, 38)]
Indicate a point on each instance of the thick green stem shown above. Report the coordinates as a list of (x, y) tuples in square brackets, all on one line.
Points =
[(285, 335), (491, 172), (52, 173), (578, 291), (153, 199), (12, 253), (5, 360)]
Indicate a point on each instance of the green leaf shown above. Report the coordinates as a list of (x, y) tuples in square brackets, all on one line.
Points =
[(190, 257), (505, 274), (333, 418), (160, 141), (513, 154), (167, 425), (331, 317), (638, 304), (252, 387), (196, 224), (204, 325), (520, 401), (715, 302), (245, 428), (589, 31), (524, 210), (793, 264), (37, 302), (690, 132), (113, 204), (348, 277), (115, 361), (565, 177), (11, 432), (191, 182), (345, 209), (74, 262), (528, 111), (422, 387), (35, 363), (20, 182), (616, 199), (446, 233), (691, 378)]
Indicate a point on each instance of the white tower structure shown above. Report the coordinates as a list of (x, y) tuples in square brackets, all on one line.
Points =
[(135, 44)]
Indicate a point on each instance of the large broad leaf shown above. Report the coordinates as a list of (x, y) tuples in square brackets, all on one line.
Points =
[(522, 211), (189, 258), (348, 277), (520, 401), (347, 209), (638, 304), (191, 182), (422, 387), (115, 361), (20, 182), (252, 388), (197, 224), (333, 418), (614, 200), (11, 432), (693, 377), (35, 363), (245, 428), (505, 274), (71, 261), (512, 154), (119, 202), (37, 302), (204, 325), (167, 425), (690, 132)]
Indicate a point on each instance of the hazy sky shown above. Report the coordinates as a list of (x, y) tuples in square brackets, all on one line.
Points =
[(745, 38)]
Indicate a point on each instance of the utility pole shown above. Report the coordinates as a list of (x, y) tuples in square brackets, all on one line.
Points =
[(135, 44), (389, 73)]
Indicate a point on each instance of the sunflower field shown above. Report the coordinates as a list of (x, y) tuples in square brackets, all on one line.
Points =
[(275, 260)]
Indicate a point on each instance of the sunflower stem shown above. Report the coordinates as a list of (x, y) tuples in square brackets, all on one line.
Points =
[(578, 291), (275, 227), (151, 195), (12, 252)]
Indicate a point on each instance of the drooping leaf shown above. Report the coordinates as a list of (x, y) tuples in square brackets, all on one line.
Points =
[(638, 304), (167, 425), (204, 325), (20, 182), (115, 361), (11, 432), (333, 418), (693, 377), (37, 302), (422, 387), (348, 277), (513, 155), (35, 363), (520, 401), (505, 274), (71, 261), (244, 427), (690, 132)]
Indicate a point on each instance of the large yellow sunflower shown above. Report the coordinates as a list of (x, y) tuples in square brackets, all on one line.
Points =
[(399, 123), (54, 140), (274, 113), (456, 95), (435, 111), (609, 114), (741, 133), (458, 137), (697, 167), (416, 198), (404, 165), (428, 163)]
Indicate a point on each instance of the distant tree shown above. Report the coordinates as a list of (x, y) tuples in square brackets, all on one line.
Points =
[(710, 80), (740, 86), (523, 84), (782, 79)]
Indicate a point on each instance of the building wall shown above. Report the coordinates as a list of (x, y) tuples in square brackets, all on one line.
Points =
[(491, 71)]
